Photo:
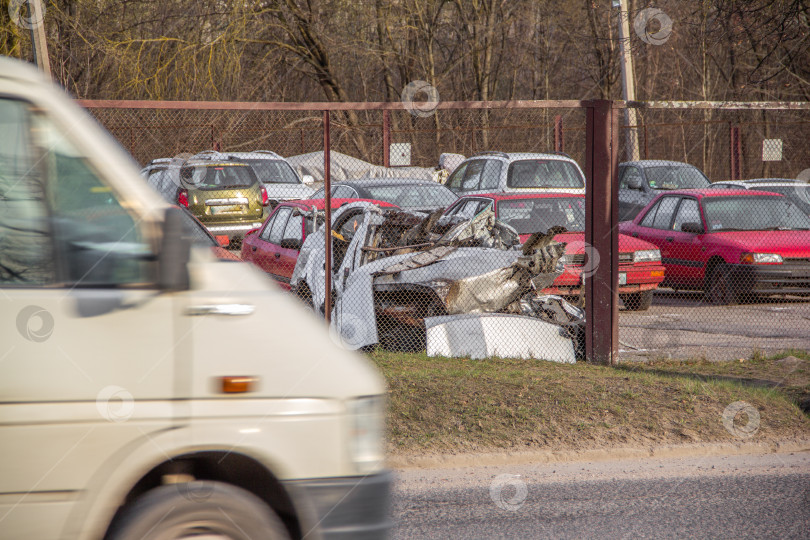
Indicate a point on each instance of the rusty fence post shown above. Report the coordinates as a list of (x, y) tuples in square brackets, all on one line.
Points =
[(601, 233), (327, 223), (386, 139), (559, 142)]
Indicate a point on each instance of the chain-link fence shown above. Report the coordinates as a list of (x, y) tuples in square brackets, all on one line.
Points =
[(466, 229)]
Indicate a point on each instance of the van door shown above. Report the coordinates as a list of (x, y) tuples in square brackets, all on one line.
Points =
[(86, 340)]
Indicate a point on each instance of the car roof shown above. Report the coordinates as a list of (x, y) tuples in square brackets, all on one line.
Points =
[(708, 192), (507, 196), (517, 156), (373, 182), (320, 204), (653, 162)]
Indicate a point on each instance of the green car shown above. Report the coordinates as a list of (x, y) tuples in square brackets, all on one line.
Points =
[(224, 195)]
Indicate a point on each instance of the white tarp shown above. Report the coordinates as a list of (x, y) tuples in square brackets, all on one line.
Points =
[(343, 167)]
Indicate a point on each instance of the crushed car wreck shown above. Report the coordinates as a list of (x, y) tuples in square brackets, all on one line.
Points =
[(411, 281)]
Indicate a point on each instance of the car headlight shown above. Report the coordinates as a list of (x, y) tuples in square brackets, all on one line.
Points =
[(366, 432), (761, 258), (647, 255)]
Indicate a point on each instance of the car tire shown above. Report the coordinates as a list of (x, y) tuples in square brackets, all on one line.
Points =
[(640, 301), (721, 290), (195, 508)]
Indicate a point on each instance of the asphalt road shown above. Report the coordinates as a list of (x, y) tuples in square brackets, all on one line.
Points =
[(717, 497), (683, 325)]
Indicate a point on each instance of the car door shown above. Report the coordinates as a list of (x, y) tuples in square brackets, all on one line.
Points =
[(289, 248), (87, 349), (256, 248), (686, 259), (271, 248)]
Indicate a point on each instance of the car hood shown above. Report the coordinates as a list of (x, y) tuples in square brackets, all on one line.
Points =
[(576, 242), (288, 191), (793, 244)]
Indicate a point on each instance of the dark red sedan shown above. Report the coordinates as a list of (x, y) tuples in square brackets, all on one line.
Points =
[(274, 246), (640, 269), (728, 243)]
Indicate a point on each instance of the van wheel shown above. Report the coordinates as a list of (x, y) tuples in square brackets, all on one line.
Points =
[(640, 301), (193, 509), (721, 291)]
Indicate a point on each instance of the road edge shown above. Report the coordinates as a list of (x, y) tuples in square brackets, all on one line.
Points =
[(444, 461)]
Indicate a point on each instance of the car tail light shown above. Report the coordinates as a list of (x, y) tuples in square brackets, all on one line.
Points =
[(182, 198), (265, 198)]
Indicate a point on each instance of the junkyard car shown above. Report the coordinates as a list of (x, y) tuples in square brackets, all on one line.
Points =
[(728, 243), (407, 193), (275, 245), (453, 286), (641, 181), (490, 172), (224, 194), (796, 190), (280, 181), (640, 270)]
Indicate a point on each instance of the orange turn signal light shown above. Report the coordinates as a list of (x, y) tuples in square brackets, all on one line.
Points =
[(237, 385), (657, 273)]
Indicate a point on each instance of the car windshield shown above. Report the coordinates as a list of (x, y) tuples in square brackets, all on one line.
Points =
[(273, 171), (212, 177), (413, 196), (544, 173), (528, 216), (675, 177), (753, 213), (798, 194)]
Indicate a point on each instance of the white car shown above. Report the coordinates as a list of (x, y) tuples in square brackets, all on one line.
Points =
[(493, 172)]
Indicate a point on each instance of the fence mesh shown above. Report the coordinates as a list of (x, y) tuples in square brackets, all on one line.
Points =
[(501, 271)]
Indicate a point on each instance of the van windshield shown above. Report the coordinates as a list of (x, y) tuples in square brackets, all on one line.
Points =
[(544, 173)]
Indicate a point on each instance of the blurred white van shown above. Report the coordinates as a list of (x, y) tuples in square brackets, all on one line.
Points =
[(148, 390)]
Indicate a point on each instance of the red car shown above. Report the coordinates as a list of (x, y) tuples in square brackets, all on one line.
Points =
[(274, 246), (728, 243), (640, 270)]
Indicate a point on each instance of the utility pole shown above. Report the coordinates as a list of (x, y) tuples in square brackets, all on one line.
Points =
[(36, 15), (628, 80)]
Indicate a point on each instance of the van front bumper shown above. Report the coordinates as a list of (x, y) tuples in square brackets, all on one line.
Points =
[(347, 507)]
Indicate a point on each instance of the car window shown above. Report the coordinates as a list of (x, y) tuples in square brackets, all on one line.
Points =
[(675, 177), (473, 176), (454, 182), (344, 192), (649, 217), (414, 196), (469, 209), (55, 212), (483, 205), (279, 224), (273, 171), (320, 194), (218, 176), (531, 215), (294, 228), (752, 213), (544, 173), (688, 212), (490, 178), (665, 210), (628, 173)]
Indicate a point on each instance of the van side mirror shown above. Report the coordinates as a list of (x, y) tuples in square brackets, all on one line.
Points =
[(692, 227), (175, 248), (634, 183)]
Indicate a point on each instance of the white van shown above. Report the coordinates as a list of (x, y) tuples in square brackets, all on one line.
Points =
[(148, 390)]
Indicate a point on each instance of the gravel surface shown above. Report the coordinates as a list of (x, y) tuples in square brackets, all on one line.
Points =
[(731, 496)]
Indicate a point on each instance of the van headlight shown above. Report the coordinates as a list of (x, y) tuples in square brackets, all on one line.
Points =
[(647, 255), (366, 432)]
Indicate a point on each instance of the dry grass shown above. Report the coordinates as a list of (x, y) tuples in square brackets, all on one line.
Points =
[(452, 405)]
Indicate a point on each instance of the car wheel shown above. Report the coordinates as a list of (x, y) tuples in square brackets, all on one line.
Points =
[(201, 508), (640, 301), (721, 290)]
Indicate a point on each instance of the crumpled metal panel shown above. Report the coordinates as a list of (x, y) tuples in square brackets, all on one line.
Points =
[(420, 260)]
